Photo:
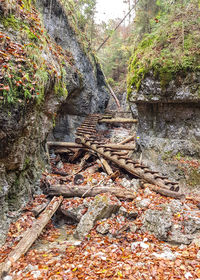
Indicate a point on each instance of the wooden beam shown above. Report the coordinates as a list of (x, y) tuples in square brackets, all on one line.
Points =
[(65, 144), (30, 236), (118, 120), (127, 140), (118, 147), (75, 145), (130, 167), (105, 165)]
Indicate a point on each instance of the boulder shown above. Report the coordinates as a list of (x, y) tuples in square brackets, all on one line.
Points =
[(103, 206), (176, 206), (177, 237), (158, 222), (103, 228), (191, 223), (148, 192), (133, 228), (127, 214), (132, 185), (75, 210), (198, 255)]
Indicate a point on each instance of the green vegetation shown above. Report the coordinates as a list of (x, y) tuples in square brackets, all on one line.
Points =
[(193, 177), (26, 72), (166, 54)]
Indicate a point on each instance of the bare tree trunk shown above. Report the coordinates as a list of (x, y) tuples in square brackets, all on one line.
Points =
[(68, 191)]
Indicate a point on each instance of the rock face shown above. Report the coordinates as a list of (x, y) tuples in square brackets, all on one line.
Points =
[(168, 120), (93, 96), (103, 207), (24, 129)]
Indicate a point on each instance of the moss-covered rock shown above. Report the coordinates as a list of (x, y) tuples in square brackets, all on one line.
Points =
[(169, 55)]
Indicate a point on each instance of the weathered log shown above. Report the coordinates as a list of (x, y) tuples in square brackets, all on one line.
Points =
[(84, 164), (61, 173), (118, 120), (68, 151), (68, 191), (65, 144), (127, 140), (39, 208), (30, 235), (114, 175), (118, 147), (165, 192), (76, 155), (106, 166), (169, 193), (123, 153)]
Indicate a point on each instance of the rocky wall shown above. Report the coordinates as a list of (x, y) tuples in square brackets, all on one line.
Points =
[(169, 124), (25, 126)]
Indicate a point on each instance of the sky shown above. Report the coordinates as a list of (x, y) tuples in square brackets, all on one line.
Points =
[(107, 9)]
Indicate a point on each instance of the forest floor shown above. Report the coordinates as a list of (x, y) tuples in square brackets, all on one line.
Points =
[(121, 254)]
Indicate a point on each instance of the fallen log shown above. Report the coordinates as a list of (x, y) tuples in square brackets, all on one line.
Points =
[(118, 147), (68, 191), (38, 209), (165, 192), (110, 145), (65, 144), (118, 120), (30, 236), (105, 165), (114, 175), (61, 173), (127, 140), (76, 155)]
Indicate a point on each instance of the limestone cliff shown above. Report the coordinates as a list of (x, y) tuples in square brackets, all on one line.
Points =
[(45, 71), (164, 83)]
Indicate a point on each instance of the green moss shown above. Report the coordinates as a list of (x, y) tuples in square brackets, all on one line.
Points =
[(27, 162), (11, 21), (167, 54), (60, 85), (193, 177)]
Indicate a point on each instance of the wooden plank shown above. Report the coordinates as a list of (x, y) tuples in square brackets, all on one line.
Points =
[(30, 236), (138, 172), (127, 140), (65, 144), (118, 147), (165, 192), (118, 120)]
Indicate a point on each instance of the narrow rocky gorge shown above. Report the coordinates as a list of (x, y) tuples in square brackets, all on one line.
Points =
[(89, 190)]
